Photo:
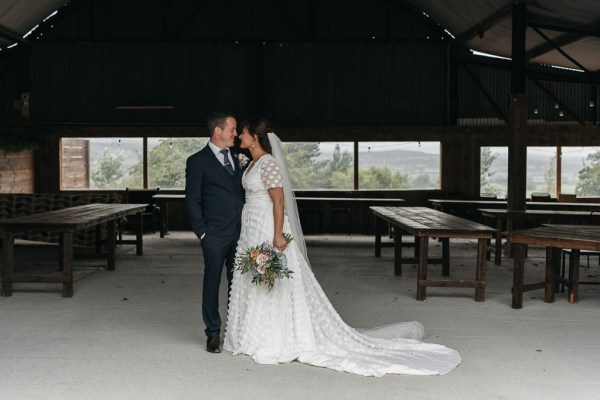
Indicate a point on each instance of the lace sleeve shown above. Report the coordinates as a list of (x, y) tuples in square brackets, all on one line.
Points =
[(270, 174)]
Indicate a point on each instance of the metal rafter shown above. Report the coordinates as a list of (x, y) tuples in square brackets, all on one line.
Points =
[(482, 26)]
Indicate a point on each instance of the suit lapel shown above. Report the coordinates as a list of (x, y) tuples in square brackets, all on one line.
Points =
[(219, 167)]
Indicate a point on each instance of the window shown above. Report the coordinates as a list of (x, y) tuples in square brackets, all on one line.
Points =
[(100, 163), (493, 171), (580, 171), (166, 160), (322, 165), (399, 165), (541, 170), (117, 163)]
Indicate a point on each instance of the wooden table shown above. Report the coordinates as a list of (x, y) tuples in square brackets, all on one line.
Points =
[(554, 238), (425, 223), (447, 204), (357, 209), (163, 200), (66, 222), (504, 219)]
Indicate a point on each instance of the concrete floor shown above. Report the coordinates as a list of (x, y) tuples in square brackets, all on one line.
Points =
[(136, 333)]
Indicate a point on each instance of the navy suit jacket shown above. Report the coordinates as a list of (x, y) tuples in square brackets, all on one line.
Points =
[(213, 197)]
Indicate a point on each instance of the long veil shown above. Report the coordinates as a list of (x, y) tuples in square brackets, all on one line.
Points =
[(405, 330), (291, 207)]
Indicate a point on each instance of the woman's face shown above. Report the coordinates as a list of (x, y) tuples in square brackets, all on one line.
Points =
[(246, 139)]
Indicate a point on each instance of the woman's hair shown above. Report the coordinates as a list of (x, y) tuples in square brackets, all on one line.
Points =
[(259, 127)]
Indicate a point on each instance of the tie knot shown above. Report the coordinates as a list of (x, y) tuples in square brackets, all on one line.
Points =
[(224, 152)]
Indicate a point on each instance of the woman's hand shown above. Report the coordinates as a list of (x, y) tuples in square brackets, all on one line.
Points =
[(279, 242)]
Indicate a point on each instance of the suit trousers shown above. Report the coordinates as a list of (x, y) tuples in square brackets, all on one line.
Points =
[(218, 252)]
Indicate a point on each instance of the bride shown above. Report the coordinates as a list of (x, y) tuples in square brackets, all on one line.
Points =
[(294, 321)]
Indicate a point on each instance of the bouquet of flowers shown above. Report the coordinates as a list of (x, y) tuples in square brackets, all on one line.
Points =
[(264, 263)]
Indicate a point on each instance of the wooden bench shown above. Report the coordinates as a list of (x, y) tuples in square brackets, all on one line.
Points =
[(14, 205), (65, 222), (505, 218), (425, 223), (554, 238)]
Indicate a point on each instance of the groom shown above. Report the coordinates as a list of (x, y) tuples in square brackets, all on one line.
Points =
[(213, 200)]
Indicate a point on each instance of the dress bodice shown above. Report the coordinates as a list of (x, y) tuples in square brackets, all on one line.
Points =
[(264, 175)]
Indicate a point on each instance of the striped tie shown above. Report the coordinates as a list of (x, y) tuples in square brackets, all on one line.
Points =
[(227, 164)]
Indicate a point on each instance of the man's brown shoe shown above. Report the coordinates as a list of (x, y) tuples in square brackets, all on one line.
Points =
[(213, 344)]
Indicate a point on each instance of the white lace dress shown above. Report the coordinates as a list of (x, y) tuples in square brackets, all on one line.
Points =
[(296, 322)]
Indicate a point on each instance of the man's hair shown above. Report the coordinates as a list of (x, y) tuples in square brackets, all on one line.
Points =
[(217, 119)]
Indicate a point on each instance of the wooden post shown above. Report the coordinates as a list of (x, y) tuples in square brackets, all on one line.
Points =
[(517, 140)]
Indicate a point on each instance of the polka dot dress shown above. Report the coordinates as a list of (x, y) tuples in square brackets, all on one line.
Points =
[(295, 320)]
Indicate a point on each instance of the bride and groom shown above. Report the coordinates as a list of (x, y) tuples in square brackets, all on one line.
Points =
[(235, 208)]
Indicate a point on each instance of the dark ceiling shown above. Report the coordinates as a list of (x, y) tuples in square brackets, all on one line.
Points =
[(481, 25)]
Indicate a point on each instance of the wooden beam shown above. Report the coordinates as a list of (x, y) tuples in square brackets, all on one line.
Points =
[(561, 51), (479, 28), (586, 31), (561, 41)]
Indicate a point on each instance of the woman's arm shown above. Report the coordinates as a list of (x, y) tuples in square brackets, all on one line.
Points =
[(276, 195)]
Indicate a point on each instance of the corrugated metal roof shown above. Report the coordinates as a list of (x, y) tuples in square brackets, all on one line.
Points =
[(580, 19), (18, 17), (574, 24)]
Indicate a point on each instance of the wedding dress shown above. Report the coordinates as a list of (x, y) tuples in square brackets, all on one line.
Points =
[(295, 321)]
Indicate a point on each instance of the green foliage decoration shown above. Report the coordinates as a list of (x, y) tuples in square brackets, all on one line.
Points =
[(16, 144)]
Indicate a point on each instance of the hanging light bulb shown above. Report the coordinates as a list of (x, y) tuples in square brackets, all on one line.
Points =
[(536, 111), (592, 104), (561, 113), (557, 106)]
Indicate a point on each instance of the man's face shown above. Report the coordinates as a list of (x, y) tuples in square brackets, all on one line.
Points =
[(226, 136)]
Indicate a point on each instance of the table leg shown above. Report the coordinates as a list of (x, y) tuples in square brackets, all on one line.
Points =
[(378, 230), (164, 216), (552, 268), (66, 261), (397, 252), (445, 257), (8, 242), (508, 248), (480, 269), (98, 238), (422, 271), (139, 242), (111, 246), (498, 252), (518, 274), (574, 268)]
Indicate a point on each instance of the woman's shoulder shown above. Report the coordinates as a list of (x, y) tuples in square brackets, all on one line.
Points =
[(268, 161)]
